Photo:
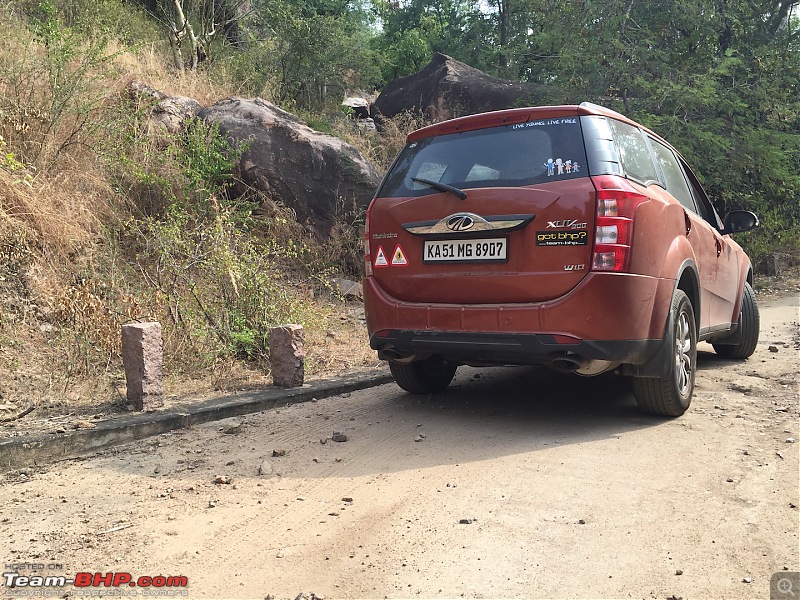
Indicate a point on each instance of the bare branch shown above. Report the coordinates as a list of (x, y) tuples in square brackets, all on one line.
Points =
[(28, 410)]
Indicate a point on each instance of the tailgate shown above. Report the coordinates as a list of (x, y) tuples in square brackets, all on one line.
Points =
[(499, 245)]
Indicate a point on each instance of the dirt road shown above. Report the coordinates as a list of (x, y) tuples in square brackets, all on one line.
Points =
[(514, 483)]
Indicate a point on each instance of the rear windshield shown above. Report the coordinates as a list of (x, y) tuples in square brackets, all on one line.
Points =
[(506, 156)]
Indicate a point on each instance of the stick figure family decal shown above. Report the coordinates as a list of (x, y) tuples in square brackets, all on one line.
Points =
[(559, 167)]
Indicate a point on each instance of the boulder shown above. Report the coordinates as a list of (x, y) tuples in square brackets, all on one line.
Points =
[(139, 89), (447, 88), (174, 113), (169, 113), (361, 109), (349, 290), (773, 264), (318, 176), (359, 106)]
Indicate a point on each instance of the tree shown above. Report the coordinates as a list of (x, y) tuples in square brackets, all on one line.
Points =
[(211, 18), (313, 50), (718, 78), (412, 30)]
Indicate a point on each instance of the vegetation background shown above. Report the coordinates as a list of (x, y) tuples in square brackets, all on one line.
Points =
[(102, 223)]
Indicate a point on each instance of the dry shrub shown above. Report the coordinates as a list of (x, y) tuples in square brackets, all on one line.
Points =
[(52, 89), (84, 166), (146, 63), (394, 132), (60, 216), (151, 65), (342, 347), (97, 312), (383, 146), (15, 222)]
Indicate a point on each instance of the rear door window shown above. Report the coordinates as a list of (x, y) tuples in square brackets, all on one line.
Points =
[(707, 210), (508, 156), (674, 177), (636, 158)]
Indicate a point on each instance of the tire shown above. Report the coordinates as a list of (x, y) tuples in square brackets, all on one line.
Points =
[(670, 396), (427, 376), (749, 323)]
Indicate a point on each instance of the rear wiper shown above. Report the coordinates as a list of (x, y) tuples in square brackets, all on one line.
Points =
[(442, 187)]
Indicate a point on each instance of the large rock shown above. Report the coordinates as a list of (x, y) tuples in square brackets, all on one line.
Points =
[(168, 113), (173, 114), (359, 106), (320, 177), (447, 88)]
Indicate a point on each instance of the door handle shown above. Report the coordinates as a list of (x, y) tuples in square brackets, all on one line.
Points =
[(719, 246)]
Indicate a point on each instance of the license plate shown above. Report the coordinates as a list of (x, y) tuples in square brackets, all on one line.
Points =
[(494, 249)]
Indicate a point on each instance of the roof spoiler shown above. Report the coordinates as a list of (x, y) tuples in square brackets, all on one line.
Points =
[(593, 106)]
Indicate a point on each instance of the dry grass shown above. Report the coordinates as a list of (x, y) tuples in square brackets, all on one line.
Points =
[(151, 65), (62, 215), (380, 148)]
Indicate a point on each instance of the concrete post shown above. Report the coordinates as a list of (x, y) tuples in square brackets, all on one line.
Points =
[(287, 355), (142, 355)]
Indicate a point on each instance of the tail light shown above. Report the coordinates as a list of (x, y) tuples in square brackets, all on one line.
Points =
[(617, 200), (367, 256)]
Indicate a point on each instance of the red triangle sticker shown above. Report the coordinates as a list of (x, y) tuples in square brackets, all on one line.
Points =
[(380, 258), (399, 258)]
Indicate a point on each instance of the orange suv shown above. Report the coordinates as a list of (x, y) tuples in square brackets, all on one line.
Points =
[(568, 236)]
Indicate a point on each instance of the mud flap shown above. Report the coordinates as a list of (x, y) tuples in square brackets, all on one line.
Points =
[(660, 364)]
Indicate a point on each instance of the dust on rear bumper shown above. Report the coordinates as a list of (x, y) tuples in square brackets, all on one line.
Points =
[(614, 317), (493, 348)]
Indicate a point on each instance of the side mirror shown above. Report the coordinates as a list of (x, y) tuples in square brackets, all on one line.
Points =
[(738, 221)]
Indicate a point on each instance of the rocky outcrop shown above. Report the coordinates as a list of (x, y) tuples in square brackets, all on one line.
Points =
[(139, 89), (168, 113), (360, 111), (174, 113), (318, 176), (359, 106), (447, 88)]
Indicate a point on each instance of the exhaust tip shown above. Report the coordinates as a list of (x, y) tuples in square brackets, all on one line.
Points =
[(398, 356), (582, 366), (568, 364)]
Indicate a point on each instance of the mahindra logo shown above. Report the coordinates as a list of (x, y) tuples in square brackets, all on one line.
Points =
[(460, 222)]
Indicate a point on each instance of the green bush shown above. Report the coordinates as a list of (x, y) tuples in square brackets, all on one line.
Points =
[(53, 89), (220, 282)]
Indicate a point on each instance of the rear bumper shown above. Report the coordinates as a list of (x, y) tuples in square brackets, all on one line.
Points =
[(614, 317), (493, 348)]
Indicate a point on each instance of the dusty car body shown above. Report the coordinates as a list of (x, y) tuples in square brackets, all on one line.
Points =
[(568, 236)]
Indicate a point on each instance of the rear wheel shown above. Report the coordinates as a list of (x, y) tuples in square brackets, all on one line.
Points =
[(426, 376), (749, 324), (670, 396)]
